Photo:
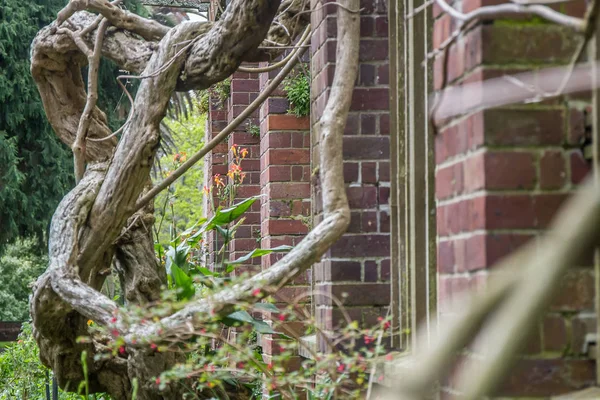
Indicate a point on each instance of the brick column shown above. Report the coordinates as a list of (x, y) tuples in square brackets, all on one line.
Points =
[(285, 185), (244, 89), (501, 176), (357, 268)]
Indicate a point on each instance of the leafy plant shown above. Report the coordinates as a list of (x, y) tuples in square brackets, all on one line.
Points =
[(221, 91), (297, 89), (253, 129), (20, 265), (22, 375)]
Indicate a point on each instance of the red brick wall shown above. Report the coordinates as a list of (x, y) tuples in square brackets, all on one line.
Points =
[(285, 205), (501, 176), (357, 268), (244, 89)]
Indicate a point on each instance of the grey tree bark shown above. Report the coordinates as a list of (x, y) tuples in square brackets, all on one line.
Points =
[(98, 223)]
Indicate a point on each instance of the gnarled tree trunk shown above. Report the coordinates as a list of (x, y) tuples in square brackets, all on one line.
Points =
[(101, 222)]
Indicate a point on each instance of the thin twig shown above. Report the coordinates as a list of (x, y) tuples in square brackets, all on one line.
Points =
[(78, 146), (132, 109)]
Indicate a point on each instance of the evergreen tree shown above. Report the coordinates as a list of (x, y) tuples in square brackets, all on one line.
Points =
[(36, 169)]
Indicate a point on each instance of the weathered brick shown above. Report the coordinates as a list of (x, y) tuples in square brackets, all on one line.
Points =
[(511, 44), (288, 190), (370, 99), (579, 167), (449, 181), (543, 377), (287, 156), (287, 123), (553, 173), (556, 337), (338, 271), (445, 256), (244, 85), (366, 148), (576, 291), (286, 227), (351, 172), (368, 245), (523, 127), (497, 164), (362, 197)]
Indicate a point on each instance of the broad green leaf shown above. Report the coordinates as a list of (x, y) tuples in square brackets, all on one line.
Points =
[(244, 317), (177, 256), (267, 307), (205, 271), (241, 316), (223, 232), (258, 253), (227, 215), (183, 282), (264, 328)]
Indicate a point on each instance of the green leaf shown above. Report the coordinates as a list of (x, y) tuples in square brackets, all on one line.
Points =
[(267, 307), (240, 316), (177, 256), (264, 328), (183, 282), (258, 253), (224, 232), (225, 216), (243, 317), (205, 271)]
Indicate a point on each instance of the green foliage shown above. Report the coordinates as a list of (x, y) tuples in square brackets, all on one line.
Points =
[(297, 89), (252, 129), (19, 268), (221, 91), (22, 375), (181, 205), (35, 168)]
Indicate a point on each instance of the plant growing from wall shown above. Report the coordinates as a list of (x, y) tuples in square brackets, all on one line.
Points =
[(221, 91), (297, 89), (253, 129)]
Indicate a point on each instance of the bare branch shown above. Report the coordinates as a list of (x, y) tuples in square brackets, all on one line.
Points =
[(92, 97), (506, 9), (146, 28)]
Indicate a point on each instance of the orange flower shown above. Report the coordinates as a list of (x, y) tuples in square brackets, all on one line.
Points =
[(176, 157), (183, 156), (218, 180), (244, 152), (234, 149), (206, 190)]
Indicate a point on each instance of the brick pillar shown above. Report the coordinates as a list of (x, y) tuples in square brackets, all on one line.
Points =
[(502, 174), (244, 89), (357, 268), (285, 208)]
